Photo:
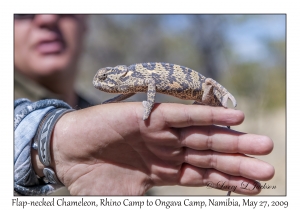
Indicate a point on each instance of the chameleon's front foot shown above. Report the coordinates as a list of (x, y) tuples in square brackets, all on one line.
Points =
[(147, 109)]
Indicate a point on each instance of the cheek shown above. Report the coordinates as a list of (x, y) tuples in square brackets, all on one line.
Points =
[(21, 47), (73, 34), (19, 36)]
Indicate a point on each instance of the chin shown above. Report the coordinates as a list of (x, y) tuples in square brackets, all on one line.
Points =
[(52, 65)]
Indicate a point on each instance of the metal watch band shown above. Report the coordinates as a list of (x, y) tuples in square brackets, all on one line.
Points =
[(42, 142)]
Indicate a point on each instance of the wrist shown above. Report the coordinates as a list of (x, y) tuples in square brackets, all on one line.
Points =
[(42, 156), (36, 163)]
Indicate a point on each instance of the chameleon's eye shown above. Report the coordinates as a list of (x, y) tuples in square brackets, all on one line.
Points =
[(102, 77)]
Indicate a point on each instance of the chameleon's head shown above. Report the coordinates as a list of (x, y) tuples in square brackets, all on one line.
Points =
[(109, 79)]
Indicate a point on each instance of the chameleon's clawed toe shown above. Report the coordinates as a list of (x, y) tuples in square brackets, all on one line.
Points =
[(233, 100), (146, 106), (225, 99)]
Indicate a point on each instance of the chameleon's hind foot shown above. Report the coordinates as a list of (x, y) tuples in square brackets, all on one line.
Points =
[(214, 88), (225, 99)]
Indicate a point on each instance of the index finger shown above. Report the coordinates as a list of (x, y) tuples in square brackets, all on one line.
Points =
[(180, 115)]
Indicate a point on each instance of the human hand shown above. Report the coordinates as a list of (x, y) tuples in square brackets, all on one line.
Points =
[(109, 150)]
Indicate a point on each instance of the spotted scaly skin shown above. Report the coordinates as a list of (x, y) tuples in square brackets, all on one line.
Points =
[(166, 78)]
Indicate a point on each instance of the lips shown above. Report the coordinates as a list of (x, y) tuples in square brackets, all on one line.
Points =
[(54, 46)]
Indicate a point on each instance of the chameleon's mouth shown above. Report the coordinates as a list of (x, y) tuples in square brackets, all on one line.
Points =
[(104, 86), (111, 85)]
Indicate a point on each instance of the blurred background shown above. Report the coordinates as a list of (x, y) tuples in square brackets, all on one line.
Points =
[(244, 53)]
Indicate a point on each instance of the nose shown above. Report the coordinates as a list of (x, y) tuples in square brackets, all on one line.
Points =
[(46, 20)]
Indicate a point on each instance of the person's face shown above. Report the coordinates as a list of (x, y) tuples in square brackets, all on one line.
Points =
[(45, 44)]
